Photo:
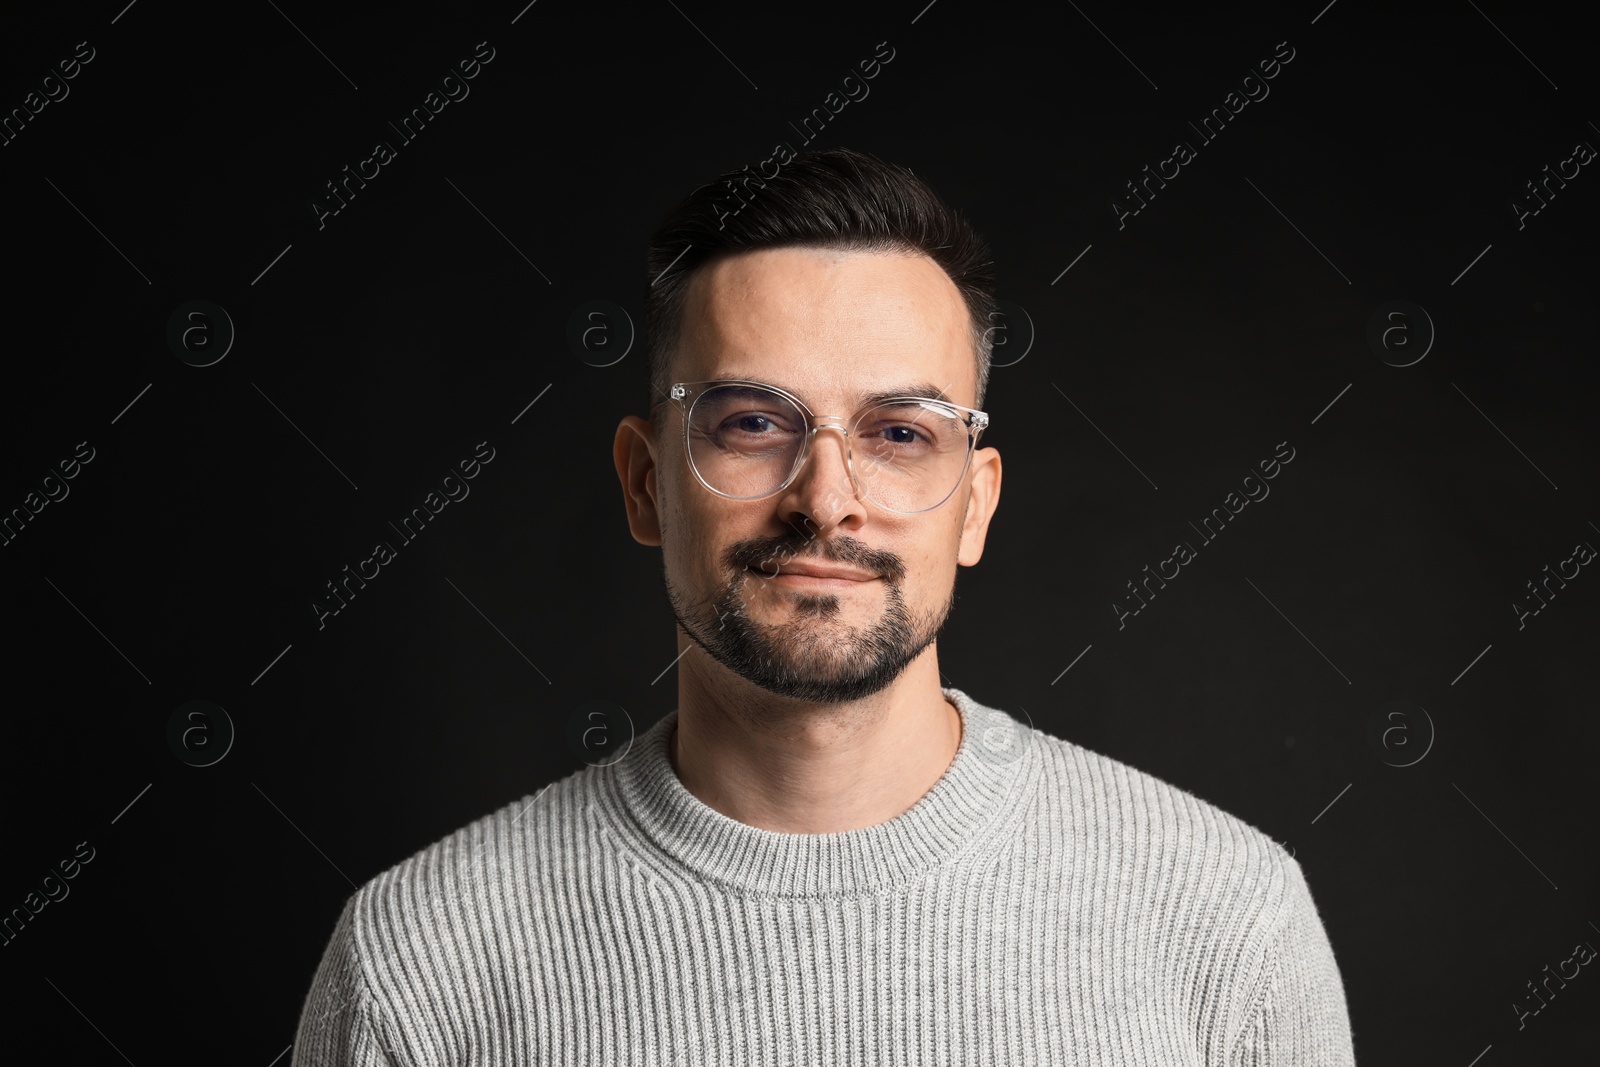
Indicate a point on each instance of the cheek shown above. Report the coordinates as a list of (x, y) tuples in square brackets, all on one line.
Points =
[(926, 562), (695, 534), (929, 584), (677, 508)]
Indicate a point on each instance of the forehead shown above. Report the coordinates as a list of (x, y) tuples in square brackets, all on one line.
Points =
[(831, 326)]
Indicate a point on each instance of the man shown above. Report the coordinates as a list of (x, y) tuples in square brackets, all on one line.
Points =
[(821, 856)]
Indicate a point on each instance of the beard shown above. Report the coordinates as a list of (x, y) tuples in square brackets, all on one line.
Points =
[(812, 655)]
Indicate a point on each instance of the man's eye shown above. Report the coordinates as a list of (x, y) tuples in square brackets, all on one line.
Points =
[(754, 423), (900, 435)]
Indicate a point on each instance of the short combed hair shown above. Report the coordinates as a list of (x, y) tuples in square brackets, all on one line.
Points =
[(827, 198)]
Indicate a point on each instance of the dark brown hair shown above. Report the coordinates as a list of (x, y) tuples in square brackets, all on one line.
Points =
[(826, 198)]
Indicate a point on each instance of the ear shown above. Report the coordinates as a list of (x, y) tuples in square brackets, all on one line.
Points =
[(983, 496), (634, 453)]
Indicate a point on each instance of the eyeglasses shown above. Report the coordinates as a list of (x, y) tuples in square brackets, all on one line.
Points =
[(746, 440)]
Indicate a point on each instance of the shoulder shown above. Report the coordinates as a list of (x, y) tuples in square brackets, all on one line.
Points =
[(1167, 836), (460, 887), (433, 931), (1195, 886), (1207, 894)]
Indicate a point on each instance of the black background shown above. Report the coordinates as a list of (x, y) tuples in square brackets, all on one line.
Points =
[(377, 351)]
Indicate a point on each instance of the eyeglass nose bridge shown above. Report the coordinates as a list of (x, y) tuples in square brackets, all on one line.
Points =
[(806, 453)]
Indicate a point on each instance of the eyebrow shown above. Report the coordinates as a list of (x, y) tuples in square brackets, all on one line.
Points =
[(923, 390)]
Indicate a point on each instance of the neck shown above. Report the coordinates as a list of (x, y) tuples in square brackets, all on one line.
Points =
[(793, 767)]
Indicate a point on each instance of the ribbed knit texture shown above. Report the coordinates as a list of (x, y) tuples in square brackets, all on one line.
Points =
[(1041, 904)]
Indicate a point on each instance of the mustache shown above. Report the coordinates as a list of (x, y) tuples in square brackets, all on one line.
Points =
[(765, 555)]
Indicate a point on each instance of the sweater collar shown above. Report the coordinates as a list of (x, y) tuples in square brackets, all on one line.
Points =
[(980, 788)]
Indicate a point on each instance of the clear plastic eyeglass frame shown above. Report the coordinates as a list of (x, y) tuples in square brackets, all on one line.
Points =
[(685, 393)]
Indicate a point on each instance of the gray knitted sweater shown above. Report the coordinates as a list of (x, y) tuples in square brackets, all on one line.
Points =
[(1041, 904)]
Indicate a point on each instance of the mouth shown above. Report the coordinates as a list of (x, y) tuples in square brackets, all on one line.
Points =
[(803, 580), (818, 576)]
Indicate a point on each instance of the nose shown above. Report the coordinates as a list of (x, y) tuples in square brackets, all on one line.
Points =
[(823, 489)]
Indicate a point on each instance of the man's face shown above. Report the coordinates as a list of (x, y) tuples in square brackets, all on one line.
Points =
[(829, 327)]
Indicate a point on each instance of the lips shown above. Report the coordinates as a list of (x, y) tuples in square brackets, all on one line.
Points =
[(808, 570)]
